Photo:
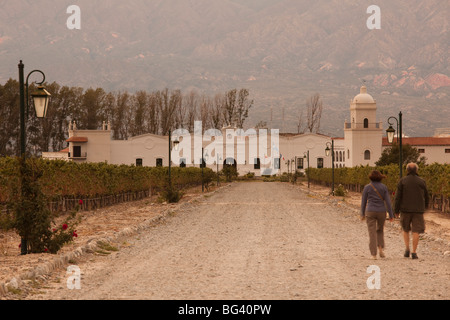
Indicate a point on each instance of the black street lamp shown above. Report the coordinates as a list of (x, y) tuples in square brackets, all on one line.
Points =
[(294, 173), (390, 132), (41, 99), (175, 146), (327, 153), (219, 158), (306, 157), (202, 165)]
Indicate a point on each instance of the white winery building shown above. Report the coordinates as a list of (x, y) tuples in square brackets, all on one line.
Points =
[(262, 151)]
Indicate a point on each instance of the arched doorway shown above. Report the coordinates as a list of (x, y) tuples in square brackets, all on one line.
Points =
[(230, 169), (230, 162)]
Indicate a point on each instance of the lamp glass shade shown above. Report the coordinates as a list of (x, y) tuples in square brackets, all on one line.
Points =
[(41, 98), (390, 134), (176, 143), (327, 151)]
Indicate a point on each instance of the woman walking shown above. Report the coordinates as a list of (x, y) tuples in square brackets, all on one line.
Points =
[(375, 203)]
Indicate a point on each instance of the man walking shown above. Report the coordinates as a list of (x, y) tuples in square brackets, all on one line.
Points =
[(411, 200)]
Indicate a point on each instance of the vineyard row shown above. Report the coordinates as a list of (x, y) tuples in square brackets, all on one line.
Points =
[(437, 177), (97, 184)]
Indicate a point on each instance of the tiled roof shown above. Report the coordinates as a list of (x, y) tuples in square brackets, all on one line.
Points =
[(77, 139), (421, 141)]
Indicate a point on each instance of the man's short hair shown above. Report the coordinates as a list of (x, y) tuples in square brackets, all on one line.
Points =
[(411, 168)]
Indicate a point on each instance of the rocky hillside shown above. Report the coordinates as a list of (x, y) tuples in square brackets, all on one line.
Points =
[(282, 50)]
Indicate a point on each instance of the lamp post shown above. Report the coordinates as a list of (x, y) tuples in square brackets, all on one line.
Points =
[(41, 98), (390, 136), (327, 153), (202, 165), (306, 156), (175, 143), (219, 158), (294, 173)]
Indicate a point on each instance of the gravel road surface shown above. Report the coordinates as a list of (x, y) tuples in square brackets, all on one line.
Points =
[(259, 240)]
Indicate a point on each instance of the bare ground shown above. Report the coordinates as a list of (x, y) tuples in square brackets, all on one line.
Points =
[(253, 240)]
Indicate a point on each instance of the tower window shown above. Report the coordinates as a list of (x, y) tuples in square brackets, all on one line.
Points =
[(366, 123), (367, 155)]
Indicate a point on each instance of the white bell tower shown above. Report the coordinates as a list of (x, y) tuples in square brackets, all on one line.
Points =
[(363, 135)]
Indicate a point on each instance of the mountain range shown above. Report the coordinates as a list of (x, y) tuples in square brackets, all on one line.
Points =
[(283, 51)]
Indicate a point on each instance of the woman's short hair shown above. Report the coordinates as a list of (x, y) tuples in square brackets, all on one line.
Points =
[(376, 175)]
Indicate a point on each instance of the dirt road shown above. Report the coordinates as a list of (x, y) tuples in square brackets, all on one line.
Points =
[(258, 241)]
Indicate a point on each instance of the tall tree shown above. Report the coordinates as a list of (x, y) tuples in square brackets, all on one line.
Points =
[(261, 125), (69, 98), (229, 110), (205, 112), (190, 102), (180, 115), (168, 103), (216, 111), (9, 118), (242, 107), (109, 108), (129, 114), (314, 113), (121, 118), (139, 108), (91, 109), (300, 128), (391, 155), (153, 113)]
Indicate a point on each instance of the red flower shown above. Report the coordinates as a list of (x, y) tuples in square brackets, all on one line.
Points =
[(54, 230), (20, 245), (74, 234), (64, 226), (80, 202), (45, 250)]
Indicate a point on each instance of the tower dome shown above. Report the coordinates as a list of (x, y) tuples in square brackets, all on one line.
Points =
[(363, 96)]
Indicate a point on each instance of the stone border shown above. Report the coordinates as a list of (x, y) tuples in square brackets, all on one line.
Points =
[(92, 244)]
